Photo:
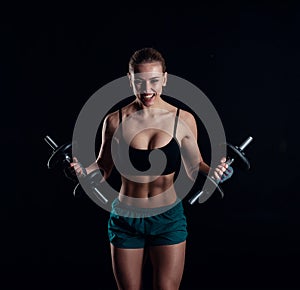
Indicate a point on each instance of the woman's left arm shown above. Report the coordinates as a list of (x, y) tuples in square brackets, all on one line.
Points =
[(191, 155)]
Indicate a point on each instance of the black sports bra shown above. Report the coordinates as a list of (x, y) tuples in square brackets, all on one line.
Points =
[(139, 158)]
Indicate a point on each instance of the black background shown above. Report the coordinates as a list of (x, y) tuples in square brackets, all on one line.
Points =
[(243, 55)]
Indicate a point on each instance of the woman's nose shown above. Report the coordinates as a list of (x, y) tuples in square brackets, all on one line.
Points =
[(147, 88)]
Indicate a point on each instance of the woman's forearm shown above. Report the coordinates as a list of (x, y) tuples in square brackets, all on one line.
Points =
[(92, 167), (204, 167)]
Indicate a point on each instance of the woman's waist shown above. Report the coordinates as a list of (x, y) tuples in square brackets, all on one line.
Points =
[(121, 207), (146, 186), (145, 198)]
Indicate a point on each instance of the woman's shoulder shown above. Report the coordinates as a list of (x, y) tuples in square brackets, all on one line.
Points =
[(186, 115), (111, 120), (183, 113), (114, 118)]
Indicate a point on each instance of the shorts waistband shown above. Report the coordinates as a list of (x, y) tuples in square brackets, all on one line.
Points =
[(123, 209)]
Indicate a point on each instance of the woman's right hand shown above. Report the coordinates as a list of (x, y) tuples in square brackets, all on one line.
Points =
[(78, 168)]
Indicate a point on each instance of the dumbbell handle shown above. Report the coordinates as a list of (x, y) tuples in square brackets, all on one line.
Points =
[(54, 146), (98, 194), (51, 143), (229, 161), (245, 143)]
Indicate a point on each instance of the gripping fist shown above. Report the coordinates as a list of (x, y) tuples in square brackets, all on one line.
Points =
[(223, 171), (79, 169)]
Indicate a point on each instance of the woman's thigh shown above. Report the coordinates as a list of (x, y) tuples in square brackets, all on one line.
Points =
[(168, 265), (127, 267)]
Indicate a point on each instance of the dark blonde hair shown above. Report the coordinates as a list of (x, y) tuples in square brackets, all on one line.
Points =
[(146, 55)]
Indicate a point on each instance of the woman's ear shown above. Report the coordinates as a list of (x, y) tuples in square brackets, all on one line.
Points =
[(165, 77), (129, 77)]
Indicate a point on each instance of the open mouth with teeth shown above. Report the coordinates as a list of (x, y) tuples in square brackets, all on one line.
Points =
[(147, 98)]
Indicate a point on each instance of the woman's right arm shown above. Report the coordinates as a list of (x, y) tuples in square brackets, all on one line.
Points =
[(104, 161)]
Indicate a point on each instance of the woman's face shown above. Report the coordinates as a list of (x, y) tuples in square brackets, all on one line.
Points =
[(147, 82)]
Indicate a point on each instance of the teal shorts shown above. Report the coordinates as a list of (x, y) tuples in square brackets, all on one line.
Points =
[(131, 228)]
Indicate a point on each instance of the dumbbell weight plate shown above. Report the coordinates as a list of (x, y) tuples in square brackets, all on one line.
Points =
[(239, 157), (58, 156)]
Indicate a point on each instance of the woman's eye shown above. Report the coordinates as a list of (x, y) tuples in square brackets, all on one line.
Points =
[(138, 82)]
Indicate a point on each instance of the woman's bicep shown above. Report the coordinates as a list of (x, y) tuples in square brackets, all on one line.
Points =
[(104, 159), (191, 155)]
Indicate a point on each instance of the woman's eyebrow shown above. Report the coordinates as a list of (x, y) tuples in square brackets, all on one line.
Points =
[(140, 78)]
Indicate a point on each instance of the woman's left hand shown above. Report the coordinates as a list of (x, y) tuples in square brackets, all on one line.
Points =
[(223, 171)]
